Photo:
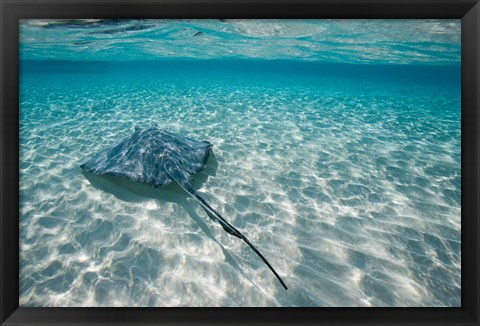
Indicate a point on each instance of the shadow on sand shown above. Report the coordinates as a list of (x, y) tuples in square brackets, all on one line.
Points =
[(131, 191)]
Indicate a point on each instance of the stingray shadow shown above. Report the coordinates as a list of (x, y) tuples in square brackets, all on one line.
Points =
[(132, 191)]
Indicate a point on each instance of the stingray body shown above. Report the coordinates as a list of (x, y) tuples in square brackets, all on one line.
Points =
[(159, 157)]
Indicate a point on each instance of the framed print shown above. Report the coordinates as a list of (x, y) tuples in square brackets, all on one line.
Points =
[(237, 162)]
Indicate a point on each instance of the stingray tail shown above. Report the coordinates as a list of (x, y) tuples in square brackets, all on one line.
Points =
[(214, 215), (231, 229)]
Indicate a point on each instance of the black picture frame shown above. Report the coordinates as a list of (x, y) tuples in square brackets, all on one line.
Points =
[(13, 10)]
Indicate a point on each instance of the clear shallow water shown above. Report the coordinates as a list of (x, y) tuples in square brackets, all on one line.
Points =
[(346, 177)]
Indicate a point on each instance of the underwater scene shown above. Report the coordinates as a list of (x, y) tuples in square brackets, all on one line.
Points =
[(240, 163)]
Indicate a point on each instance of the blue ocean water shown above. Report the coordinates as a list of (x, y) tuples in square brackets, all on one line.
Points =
[(336, 151)]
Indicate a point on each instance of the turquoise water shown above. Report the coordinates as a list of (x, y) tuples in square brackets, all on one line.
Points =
[(336, 151)]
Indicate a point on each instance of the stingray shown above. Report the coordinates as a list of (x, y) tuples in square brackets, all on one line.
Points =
[(160, 157)]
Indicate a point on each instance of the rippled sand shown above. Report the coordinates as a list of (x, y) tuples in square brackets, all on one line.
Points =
[(349, 187)]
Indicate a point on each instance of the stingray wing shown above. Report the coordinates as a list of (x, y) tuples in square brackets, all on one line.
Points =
[(187, 154), (130, 159)]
